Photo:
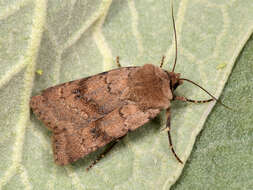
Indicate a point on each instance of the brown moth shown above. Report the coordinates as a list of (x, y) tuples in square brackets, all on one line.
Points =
[(89, 113)]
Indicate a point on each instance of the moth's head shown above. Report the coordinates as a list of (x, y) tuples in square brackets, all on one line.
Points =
[(174, 80)]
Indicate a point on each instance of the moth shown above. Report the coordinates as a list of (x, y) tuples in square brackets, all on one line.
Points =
[(87, 114)]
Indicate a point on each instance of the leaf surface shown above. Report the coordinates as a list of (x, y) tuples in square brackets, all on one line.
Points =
[(67, 40)]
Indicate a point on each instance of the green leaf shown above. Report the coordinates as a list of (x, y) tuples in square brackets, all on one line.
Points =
[(69, 40), (222, 154)]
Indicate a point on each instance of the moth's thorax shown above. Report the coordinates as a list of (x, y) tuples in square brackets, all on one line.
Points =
[(150, 86)]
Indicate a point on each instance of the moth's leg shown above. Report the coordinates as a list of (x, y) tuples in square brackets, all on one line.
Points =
[(107, 150), (117, 61), (169, 136), (162, 61), (184, 99)]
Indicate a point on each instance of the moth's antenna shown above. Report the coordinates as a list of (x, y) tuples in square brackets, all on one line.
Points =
[(206, 92), (175, 35)]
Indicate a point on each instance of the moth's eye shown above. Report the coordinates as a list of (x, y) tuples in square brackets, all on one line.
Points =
[(176, 85)]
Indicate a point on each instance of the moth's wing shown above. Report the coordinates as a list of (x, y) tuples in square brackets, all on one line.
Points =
[(87, 114), (72, 143), (80, 101)]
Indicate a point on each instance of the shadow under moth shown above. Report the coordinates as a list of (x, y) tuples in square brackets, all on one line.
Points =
[(87, 114)]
